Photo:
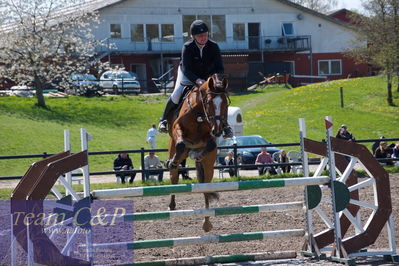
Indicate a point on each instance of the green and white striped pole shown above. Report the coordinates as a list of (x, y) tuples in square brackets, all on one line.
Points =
[(208, 187), (213, 211), (174, 242)]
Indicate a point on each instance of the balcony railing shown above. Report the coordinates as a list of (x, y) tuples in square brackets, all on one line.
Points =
[(255, 43)]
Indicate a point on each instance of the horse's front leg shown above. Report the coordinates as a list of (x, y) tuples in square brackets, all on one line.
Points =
[(205, 170), (179, 151)]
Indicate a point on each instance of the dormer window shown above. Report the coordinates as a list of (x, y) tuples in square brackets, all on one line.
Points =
[(287, 29)]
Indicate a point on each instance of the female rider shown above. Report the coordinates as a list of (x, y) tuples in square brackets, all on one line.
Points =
[(200, 59)]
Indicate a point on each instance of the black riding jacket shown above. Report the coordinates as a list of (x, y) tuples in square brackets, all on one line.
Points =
[(194, 66)]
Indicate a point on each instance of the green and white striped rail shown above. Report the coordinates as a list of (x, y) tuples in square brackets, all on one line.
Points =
[(174, 242), (213, 211), (208, 187), (219, 259)]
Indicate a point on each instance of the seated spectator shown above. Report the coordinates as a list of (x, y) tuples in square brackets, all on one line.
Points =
[(283, 158), (184, 173), (124, 163), (384, 152), (343, 133), (229, 160), (376, 144), (265, 158), (395, 151), (151, 161)]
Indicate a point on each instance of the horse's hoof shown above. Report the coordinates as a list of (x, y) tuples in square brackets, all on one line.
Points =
[(207, 226)]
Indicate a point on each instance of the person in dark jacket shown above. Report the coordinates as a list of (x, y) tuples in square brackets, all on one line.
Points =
[(384, 152), (343, 133), (200, 59), (123, 163)]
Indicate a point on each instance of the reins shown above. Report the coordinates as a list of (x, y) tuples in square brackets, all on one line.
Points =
[(205, 115)]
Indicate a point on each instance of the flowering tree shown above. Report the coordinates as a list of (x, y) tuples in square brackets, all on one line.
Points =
[(44, 41)]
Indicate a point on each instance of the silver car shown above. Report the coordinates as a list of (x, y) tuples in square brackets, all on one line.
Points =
[(119, 82)]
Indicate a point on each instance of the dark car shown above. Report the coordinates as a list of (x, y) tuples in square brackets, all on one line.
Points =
[(84, 85), (245, 155)]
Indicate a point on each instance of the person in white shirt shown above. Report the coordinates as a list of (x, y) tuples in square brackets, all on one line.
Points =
[(151, 161), (151, 136)]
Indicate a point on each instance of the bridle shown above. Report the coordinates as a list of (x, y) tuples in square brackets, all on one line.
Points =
[(204, 115)]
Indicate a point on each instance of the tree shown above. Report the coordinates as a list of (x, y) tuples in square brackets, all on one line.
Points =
[(45, 41), (379, 30), (322, 6)]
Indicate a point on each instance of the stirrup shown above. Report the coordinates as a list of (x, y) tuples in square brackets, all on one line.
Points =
[(227, 132), (162, 126)]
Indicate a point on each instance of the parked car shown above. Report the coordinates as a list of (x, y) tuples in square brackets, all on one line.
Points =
[(85, 85), (118, 82), (22, 91), (245, 155)]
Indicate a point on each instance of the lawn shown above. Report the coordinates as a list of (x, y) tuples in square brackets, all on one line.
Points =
[(122, 122)]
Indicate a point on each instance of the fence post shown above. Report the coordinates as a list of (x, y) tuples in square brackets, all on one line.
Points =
[(142, 164), (235, 159), (341, 93)]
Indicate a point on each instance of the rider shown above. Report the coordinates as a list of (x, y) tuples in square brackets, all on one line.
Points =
[(200, 59)]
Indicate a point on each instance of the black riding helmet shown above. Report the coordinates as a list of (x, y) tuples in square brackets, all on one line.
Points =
[(198, 27)]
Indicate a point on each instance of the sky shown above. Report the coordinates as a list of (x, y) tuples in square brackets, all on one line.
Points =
[(350, 4)]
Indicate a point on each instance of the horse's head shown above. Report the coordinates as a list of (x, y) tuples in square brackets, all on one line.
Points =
[(216, 102)]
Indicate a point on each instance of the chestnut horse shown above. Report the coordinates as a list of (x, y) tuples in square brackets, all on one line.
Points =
[(193, 133)]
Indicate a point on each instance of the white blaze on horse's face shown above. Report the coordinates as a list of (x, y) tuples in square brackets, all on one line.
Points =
[(217, 103)]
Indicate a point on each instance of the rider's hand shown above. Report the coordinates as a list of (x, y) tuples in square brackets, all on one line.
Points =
[(199, 82)]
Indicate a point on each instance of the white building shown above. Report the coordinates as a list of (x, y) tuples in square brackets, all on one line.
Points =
[(268, 36)]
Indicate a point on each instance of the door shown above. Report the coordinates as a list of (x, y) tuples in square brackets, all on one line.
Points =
[(140, 70), (253, 35)]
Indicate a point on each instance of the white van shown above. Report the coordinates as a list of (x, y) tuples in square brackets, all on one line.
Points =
[(119, 82)]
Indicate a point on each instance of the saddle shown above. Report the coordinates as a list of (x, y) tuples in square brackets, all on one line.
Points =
[(185, 93)]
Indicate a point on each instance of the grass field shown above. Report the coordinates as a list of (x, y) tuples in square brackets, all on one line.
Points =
[(122, 122)]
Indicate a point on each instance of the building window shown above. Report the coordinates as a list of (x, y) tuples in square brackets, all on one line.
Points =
[(187, 20), (216, 24), (239, 32), (168, 32), (137, 32), (116, 31), (152, 32), (287, 29), (330, 67), (218, 28)]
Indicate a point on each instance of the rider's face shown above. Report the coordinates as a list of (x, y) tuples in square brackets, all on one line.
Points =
[(201, 38)]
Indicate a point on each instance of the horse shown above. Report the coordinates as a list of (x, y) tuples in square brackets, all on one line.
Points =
[(194, 131)]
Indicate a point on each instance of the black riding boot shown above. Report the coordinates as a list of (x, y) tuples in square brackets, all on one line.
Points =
[(227, 131), (170, 107)]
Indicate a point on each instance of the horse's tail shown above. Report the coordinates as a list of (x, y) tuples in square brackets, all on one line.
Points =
[(213, 196)]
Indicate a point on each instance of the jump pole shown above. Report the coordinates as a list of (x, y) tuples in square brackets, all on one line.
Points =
[(183, 241), (209, 187)]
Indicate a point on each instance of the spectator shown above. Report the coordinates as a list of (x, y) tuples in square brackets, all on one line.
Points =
[(151, 136), (151, 161), (265, 158), (124, 163), (376, 144), (283, 158), (395, 151), (384, 152), (229, 160), (343, 133), (184, 173)]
